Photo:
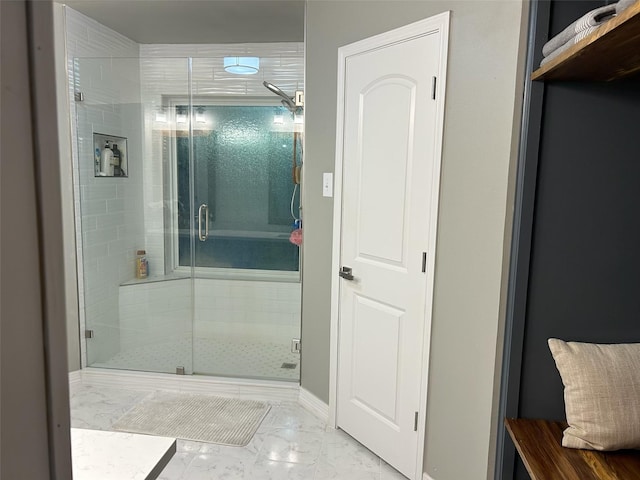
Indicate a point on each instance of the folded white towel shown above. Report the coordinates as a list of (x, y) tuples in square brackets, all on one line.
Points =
[(622, 5), (591, 19), (575, 39)]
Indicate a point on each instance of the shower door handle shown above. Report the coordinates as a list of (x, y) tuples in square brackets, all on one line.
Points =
[(203, 236)]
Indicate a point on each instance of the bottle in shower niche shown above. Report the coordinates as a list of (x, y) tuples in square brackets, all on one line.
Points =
[(117, 162), (97, 162), (106, 161), (142, 265)]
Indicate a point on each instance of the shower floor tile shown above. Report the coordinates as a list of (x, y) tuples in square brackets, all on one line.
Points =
[(233, 358)]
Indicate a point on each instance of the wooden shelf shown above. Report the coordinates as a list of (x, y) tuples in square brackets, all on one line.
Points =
[(609, 53), (539, 443)]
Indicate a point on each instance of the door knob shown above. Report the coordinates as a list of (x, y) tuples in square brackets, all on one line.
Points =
[(346, 273)]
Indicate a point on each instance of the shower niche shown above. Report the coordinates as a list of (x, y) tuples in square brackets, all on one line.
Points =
[(110, 155)]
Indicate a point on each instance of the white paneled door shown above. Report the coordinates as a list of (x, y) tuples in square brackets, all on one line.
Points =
[(390, 117)]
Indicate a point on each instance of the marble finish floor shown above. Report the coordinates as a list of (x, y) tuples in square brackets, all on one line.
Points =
[(242, 358), (291, 444)]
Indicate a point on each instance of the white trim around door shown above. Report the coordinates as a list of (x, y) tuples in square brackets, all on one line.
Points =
[(439, 25)]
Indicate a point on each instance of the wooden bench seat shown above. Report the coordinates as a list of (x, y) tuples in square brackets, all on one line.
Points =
[(539, 443)]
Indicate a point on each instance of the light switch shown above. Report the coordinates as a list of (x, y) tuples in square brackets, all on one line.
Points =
[(327, 184)]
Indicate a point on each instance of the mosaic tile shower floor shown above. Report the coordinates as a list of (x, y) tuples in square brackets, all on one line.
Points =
[(232, 358)]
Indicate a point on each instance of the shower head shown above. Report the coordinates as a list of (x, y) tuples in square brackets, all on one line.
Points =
[(287, 101)]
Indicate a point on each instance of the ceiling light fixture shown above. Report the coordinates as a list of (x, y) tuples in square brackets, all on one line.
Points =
[(242, 65)]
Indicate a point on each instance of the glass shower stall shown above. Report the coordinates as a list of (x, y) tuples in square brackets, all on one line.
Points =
[(188, 183)]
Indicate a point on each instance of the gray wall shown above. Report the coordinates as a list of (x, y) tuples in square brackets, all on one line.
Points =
[(34, 397), (483, 97), (24, 409)]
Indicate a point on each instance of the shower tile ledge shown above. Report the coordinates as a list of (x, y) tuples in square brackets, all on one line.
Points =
[(119, 455)]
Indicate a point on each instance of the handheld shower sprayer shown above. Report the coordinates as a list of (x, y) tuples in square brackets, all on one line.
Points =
[(293, 104), (287, 101)]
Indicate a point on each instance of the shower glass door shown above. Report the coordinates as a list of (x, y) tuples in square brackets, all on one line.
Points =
[(247, 285), (136, 309), (187, 201)]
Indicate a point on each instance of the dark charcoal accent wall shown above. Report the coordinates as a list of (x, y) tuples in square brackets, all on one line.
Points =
[(584, 268), (584, 281)]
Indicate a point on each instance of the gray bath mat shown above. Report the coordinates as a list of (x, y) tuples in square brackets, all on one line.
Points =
[(202, 418)]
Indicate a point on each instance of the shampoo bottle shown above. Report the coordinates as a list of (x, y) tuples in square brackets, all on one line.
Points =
[(106, 161), (142, 267), (117, 162)]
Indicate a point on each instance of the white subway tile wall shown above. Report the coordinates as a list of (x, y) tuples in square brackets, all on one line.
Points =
[(226, 310), (253, 310), (154, 312), (124, 85)]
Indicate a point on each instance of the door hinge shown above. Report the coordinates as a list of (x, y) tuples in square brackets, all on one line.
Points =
[(88, 334), (296, 345), (180, 370), (78, 96), (415, 423), (424, 262), (433, 88)]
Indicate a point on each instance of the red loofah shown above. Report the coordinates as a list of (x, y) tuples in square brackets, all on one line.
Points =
[(296, 237)]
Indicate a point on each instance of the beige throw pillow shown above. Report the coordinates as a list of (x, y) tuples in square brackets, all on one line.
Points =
[(601, 394)]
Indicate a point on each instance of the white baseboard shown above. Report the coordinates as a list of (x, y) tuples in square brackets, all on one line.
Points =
[(272, 391), (75, 378), (145, 381), (312, 403)]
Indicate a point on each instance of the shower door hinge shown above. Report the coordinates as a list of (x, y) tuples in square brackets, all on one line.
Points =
[(296, 345), (415, 423), (78, 97), (433, 88), (298, 99), (88, 334)]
